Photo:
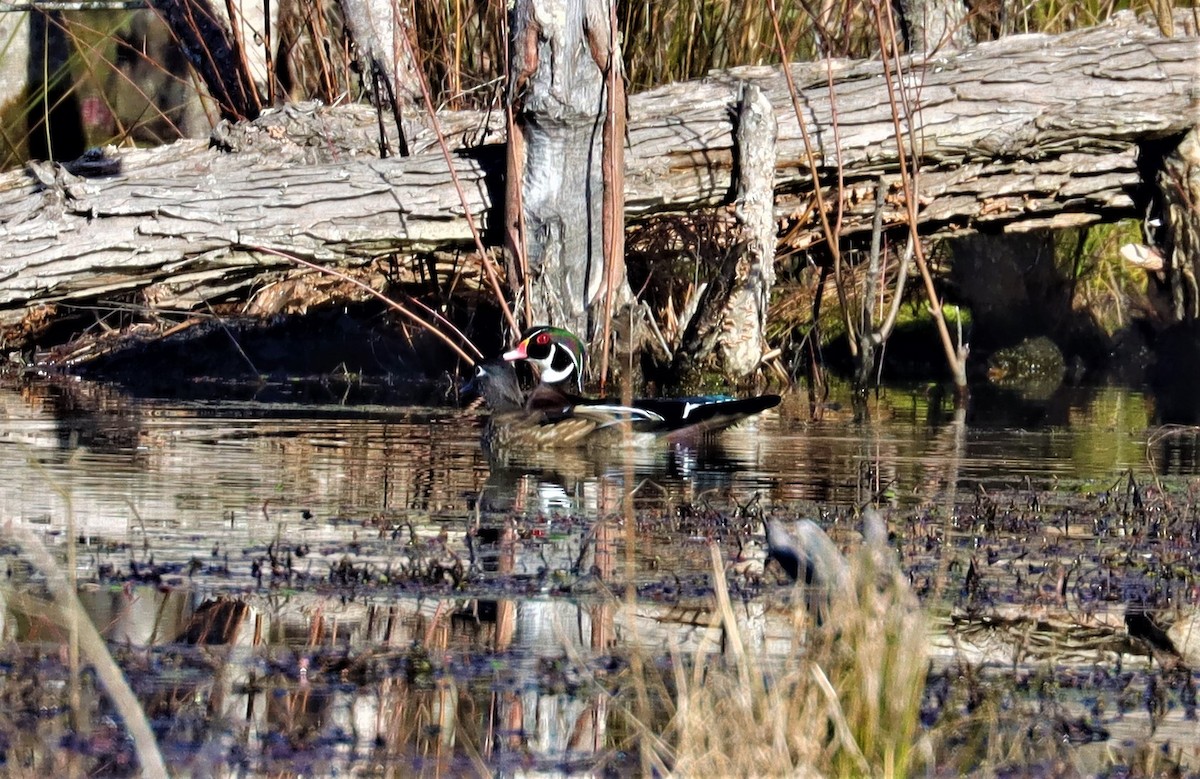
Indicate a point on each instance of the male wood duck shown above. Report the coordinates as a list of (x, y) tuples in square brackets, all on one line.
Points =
[(548, 417), (552, 416)]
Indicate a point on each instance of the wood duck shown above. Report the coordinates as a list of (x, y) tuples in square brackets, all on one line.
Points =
[(549, 417), (558, 417)]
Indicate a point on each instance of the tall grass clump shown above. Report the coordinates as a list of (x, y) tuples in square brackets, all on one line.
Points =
[(844, 700)]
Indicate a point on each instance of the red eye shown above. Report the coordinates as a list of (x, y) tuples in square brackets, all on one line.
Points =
[(543, 338)]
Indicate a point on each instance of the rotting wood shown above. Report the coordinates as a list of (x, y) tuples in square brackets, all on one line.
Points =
[(1062, 151), (742, 340)]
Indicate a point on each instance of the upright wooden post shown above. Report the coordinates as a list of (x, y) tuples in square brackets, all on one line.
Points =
[(1179, 190), (559, 103), (742, 341)]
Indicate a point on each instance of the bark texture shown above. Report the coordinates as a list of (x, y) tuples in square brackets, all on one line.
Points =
[(743, 339), (929, 25), (1028, 132), (559, 103)]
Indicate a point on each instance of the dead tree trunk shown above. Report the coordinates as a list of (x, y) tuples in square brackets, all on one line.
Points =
[(1179, 210), (185, 223), (383, 37), (934, 25), (743, 338), (559, 101), (731, 314)]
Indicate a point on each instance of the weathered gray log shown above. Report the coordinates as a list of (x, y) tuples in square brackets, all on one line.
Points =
[(1028, 132)]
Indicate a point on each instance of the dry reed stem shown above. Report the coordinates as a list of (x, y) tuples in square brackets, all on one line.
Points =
[(845, 701), (95, 651)]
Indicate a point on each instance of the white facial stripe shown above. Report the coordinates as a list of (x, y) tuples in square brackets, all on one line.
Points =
[(552, 376)]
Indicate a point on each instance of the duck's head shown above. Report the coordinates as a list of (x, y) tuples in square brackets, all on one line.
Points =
[(496, 382), (557, 353)]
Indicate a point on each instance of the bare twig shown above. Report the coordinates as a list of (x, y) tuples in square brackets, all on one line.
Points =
[(613, 162), (221, 322), (94, 649), (441, 320)]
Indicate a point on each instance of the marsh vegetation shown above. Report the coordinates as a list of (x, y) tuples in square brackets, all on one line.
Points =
[(306, 564), (299, 589)]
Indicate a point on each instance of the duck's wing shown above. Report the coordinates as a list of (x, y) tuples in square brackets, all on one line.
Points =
[(609, 414), (553, 407), (540, 430), (683, 417)]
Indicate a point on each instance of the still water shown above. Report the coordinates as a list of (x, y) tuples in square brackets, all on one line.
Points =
[(116, 466), (471, 589)]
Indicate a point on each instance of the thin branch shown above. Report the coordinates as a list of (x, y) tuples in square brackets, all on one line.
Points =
[(221, 322), (613, 160), (883, 17), (831, 235), (390, 304), (885, 329), (488, 266)]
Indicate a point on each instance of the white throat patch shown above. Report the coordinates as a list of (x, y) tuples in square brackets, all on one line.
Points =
[(554, 376)]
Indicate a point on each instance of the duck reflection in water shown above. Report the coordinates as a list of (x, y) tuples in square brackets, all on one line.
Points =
[(808, 556)]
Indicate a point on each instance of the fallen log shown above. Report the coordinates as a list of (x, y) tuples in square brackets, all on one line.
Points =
[(1027, 132)]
